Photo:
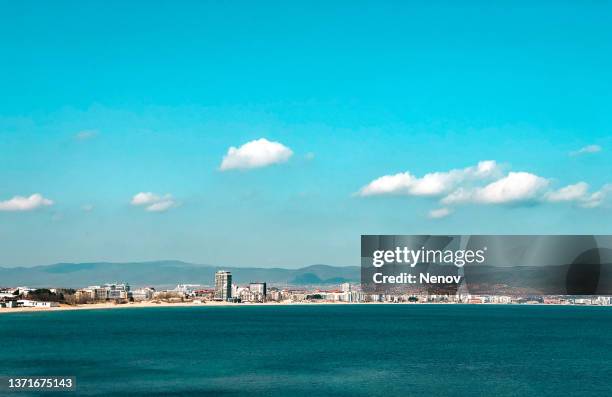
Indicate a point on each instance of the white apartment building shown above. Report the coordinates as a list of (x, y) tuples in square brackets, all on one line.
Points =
[(143, 294), (223, 285), (187, 289), (30, 303)]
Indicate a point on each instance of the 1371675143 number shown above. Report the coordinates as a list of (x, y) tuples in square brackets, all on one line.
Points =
[(38, 382)]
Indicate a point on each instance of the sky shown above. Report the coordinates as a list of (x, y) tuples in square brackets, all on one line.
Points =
[(276, 133)]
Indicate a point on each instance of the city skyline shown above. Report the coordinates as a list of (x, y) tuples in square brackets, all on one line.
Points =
[(267, 136)]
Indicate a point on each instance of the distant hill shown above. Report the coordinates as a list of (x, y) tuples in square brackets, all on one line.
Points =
[(167, 273)]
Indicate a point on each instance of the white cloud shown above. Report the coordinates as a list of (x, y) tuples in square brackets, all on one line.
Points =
[(20, 203), (568, 193), (309, 156), (85, 135), (586, 150), (596, 199), (579, 194), (521, 187), (255, 154), (440, 213), (144, 198), (161, 206), (153, 202), (431, 184), (87, 207), (485, 184), (389, 184), (459, 196), (516, 187)]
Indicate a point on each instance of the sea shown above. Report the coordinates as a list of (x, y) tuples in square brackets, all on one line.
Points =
[(316, 350)]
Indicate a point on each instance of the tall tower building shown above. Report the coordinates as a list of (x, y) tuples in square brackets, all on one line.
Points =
[(258, 288), (223, 285), (258, 292)]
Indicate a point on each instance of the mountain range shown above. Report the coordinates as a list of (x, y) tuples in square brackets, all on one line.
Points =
[(164, 274)]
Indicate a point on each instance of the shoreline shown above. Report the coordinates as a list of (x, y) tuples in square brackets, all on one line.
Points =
[(141, 305), (131, 305)]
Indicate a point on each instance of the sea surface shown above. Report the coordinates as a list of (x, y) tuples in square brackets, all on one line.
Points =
[(317, 350)]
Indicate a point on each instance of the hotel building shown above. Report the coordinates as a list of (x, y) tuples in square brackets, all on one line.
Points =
[(223, 285)]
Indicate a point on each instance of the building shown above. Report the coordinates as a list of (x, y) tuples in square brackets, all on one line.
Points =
[(30, 303), (274, 294), (23, 291), (100, 293), (258, 288), (204, 293), (117, 291), (85, 294), (241, 294), (142, 294), (223, 285), (187, 289), (103, 293), (258, 292)]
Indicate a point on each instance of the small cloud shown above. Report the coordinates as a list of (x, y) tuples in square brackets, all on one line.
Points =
[(255, 154), (144, 198), (568, 193), (597, 198), (153, 202), (87, 207), (85, 135), (516, 187), (431, 184), (440, 213), (309, 156), (586, 150), (161, 206), (579, 194), (20, 203)]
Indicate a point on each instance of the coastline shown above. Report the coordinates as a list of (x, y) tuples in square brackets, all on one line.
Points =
[(149, 304)]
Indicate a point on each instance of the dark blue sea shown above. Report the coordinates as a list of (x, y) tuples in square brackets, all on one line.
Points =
[(317, 350)]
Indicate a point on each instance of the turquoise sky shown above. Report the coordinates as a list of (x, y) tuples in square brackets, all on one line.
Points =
[(100, 101)]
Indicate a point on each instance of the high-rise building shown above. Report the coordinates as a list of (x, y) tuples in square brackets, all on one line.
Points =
[(258, 288), (223, 285), (258, 292)]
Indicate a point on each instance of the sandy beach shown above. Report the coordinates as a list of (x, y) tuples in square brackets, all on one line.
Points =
[(135, 305), (149, 304)]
